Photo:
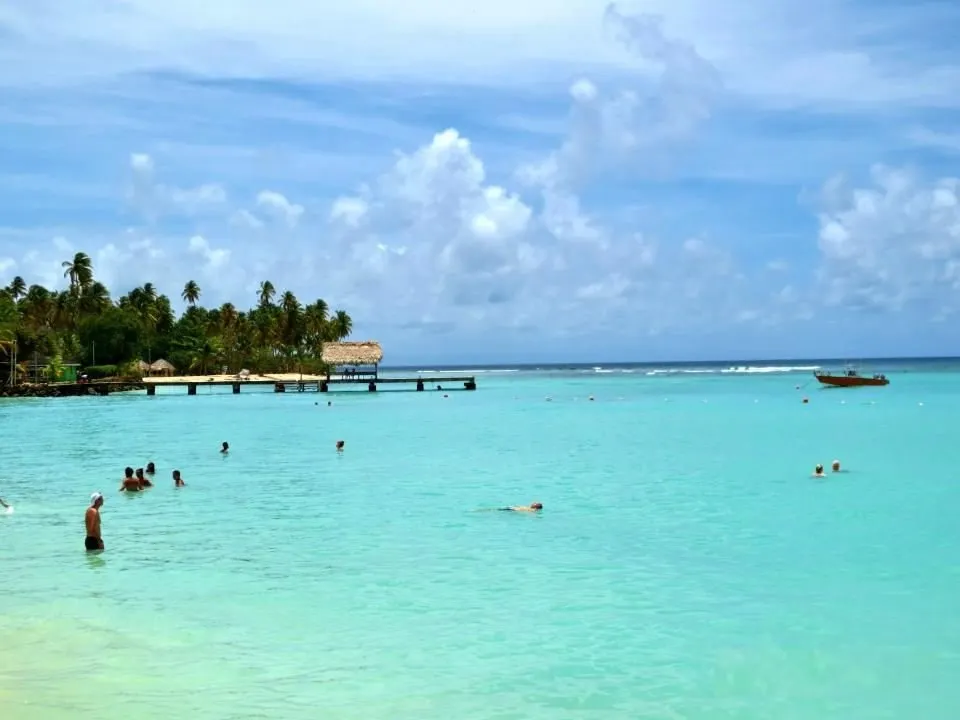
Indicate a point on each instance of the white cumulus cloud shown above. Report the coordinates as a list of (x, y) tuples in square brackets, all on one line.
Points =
[(278, 206), (891, 244)]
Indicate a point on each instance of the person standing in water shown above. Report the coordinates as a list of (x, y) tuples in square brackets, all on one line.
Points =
[(177, 480), (94, 541), (129, 483), (143, 480)]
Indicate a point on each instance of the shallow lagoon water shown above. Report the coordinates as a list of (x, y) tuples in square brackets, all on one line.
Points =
[(686, 564)]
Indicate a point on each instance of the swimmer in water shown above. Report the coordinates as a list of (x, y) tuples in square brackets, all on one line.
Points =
[(818, 471), (93, 540), (225, 449), (142, 479), (129, 482), (177, 480), (836, 466), (531, 508), (151, 469), (340, 445)]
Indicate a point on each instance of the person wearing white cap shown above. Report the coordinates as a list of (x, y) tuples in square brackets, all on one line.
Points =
[(836, 466), (94, 541)]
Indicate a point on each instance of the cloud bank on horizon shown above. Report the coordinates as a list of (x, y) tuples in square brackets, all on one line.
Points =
[(505, 181)]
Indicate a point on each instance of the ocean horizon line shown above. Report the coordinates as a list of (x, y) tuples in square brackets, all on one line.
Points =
[(796, 363)]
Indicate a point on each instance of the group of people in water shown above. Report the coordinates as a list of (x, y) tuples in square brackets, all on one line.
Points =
[(133, 481), (142, 478), (818, 470)]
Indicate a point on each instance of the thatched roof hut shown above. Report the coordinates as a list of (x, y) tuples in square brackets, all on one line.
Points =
[(143, 366), (162, 367), (352, 353)]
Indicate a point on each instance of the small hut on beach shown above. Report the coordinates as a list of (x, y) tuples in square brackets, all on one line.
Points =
[(144, 367), (352, 359), (162, 367)]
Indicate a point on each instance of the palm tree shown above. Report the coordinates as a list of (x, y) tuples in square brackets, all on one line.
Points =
[(289, 303), (315, 318), (206, 355), (191, 293), (65, 309), (37, 309), (267, 292), (341, 325), (150, 292), (17, 288), (96, 299), (80, 272)]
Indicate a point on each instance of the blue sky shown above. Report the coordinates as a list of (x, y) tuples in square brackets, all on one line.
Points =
[(504, 182)]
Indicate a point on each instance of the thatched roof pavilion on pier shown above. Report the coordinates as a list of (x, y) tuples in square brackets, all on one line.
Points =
[(353, 358)]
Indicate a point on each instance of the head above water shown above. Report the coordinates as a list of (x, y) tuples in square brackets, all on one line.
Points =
[(536, 505), (151, 467), (176, 474), (836, 466), (226, 445), (128, 472), (818, 469), (340, 444), (140, 473)]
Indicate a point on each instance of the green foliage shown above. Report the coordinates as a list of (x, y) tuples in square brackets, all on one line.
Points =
[(84, 324), (53, 371), (98, 372), (112, 337), (130, 370)]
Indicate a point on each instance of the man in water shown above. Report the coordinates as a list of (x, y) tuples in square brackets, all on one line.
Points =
[(225, 449), (130, 482), (818, 471), (532, 507), (177, 480), (143, 480), (836, 466), (151, 468), (340, 444), (94, 541)]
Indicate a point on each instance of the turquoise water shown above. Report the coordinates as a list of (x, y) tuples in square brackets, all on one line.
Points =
[(686, 564)]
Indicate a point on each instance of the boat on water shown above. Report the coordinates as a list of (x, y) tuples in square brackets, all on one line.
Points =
[(849, 378)]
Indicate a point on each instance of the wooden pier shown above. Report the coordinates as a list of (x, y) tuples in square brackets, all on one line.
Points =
[(349, 363), (313, 384)]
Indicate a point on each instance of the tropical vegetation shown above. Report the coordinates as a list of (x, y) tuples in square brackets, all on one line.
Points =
[(84, 324)]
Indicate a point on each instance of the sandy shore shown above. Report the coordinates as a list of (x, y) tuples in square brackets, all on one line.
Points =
[(200, 379)]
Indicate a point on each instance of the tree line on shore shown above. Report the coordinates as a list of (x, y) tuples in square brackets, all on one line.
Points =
[(110, 336)]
